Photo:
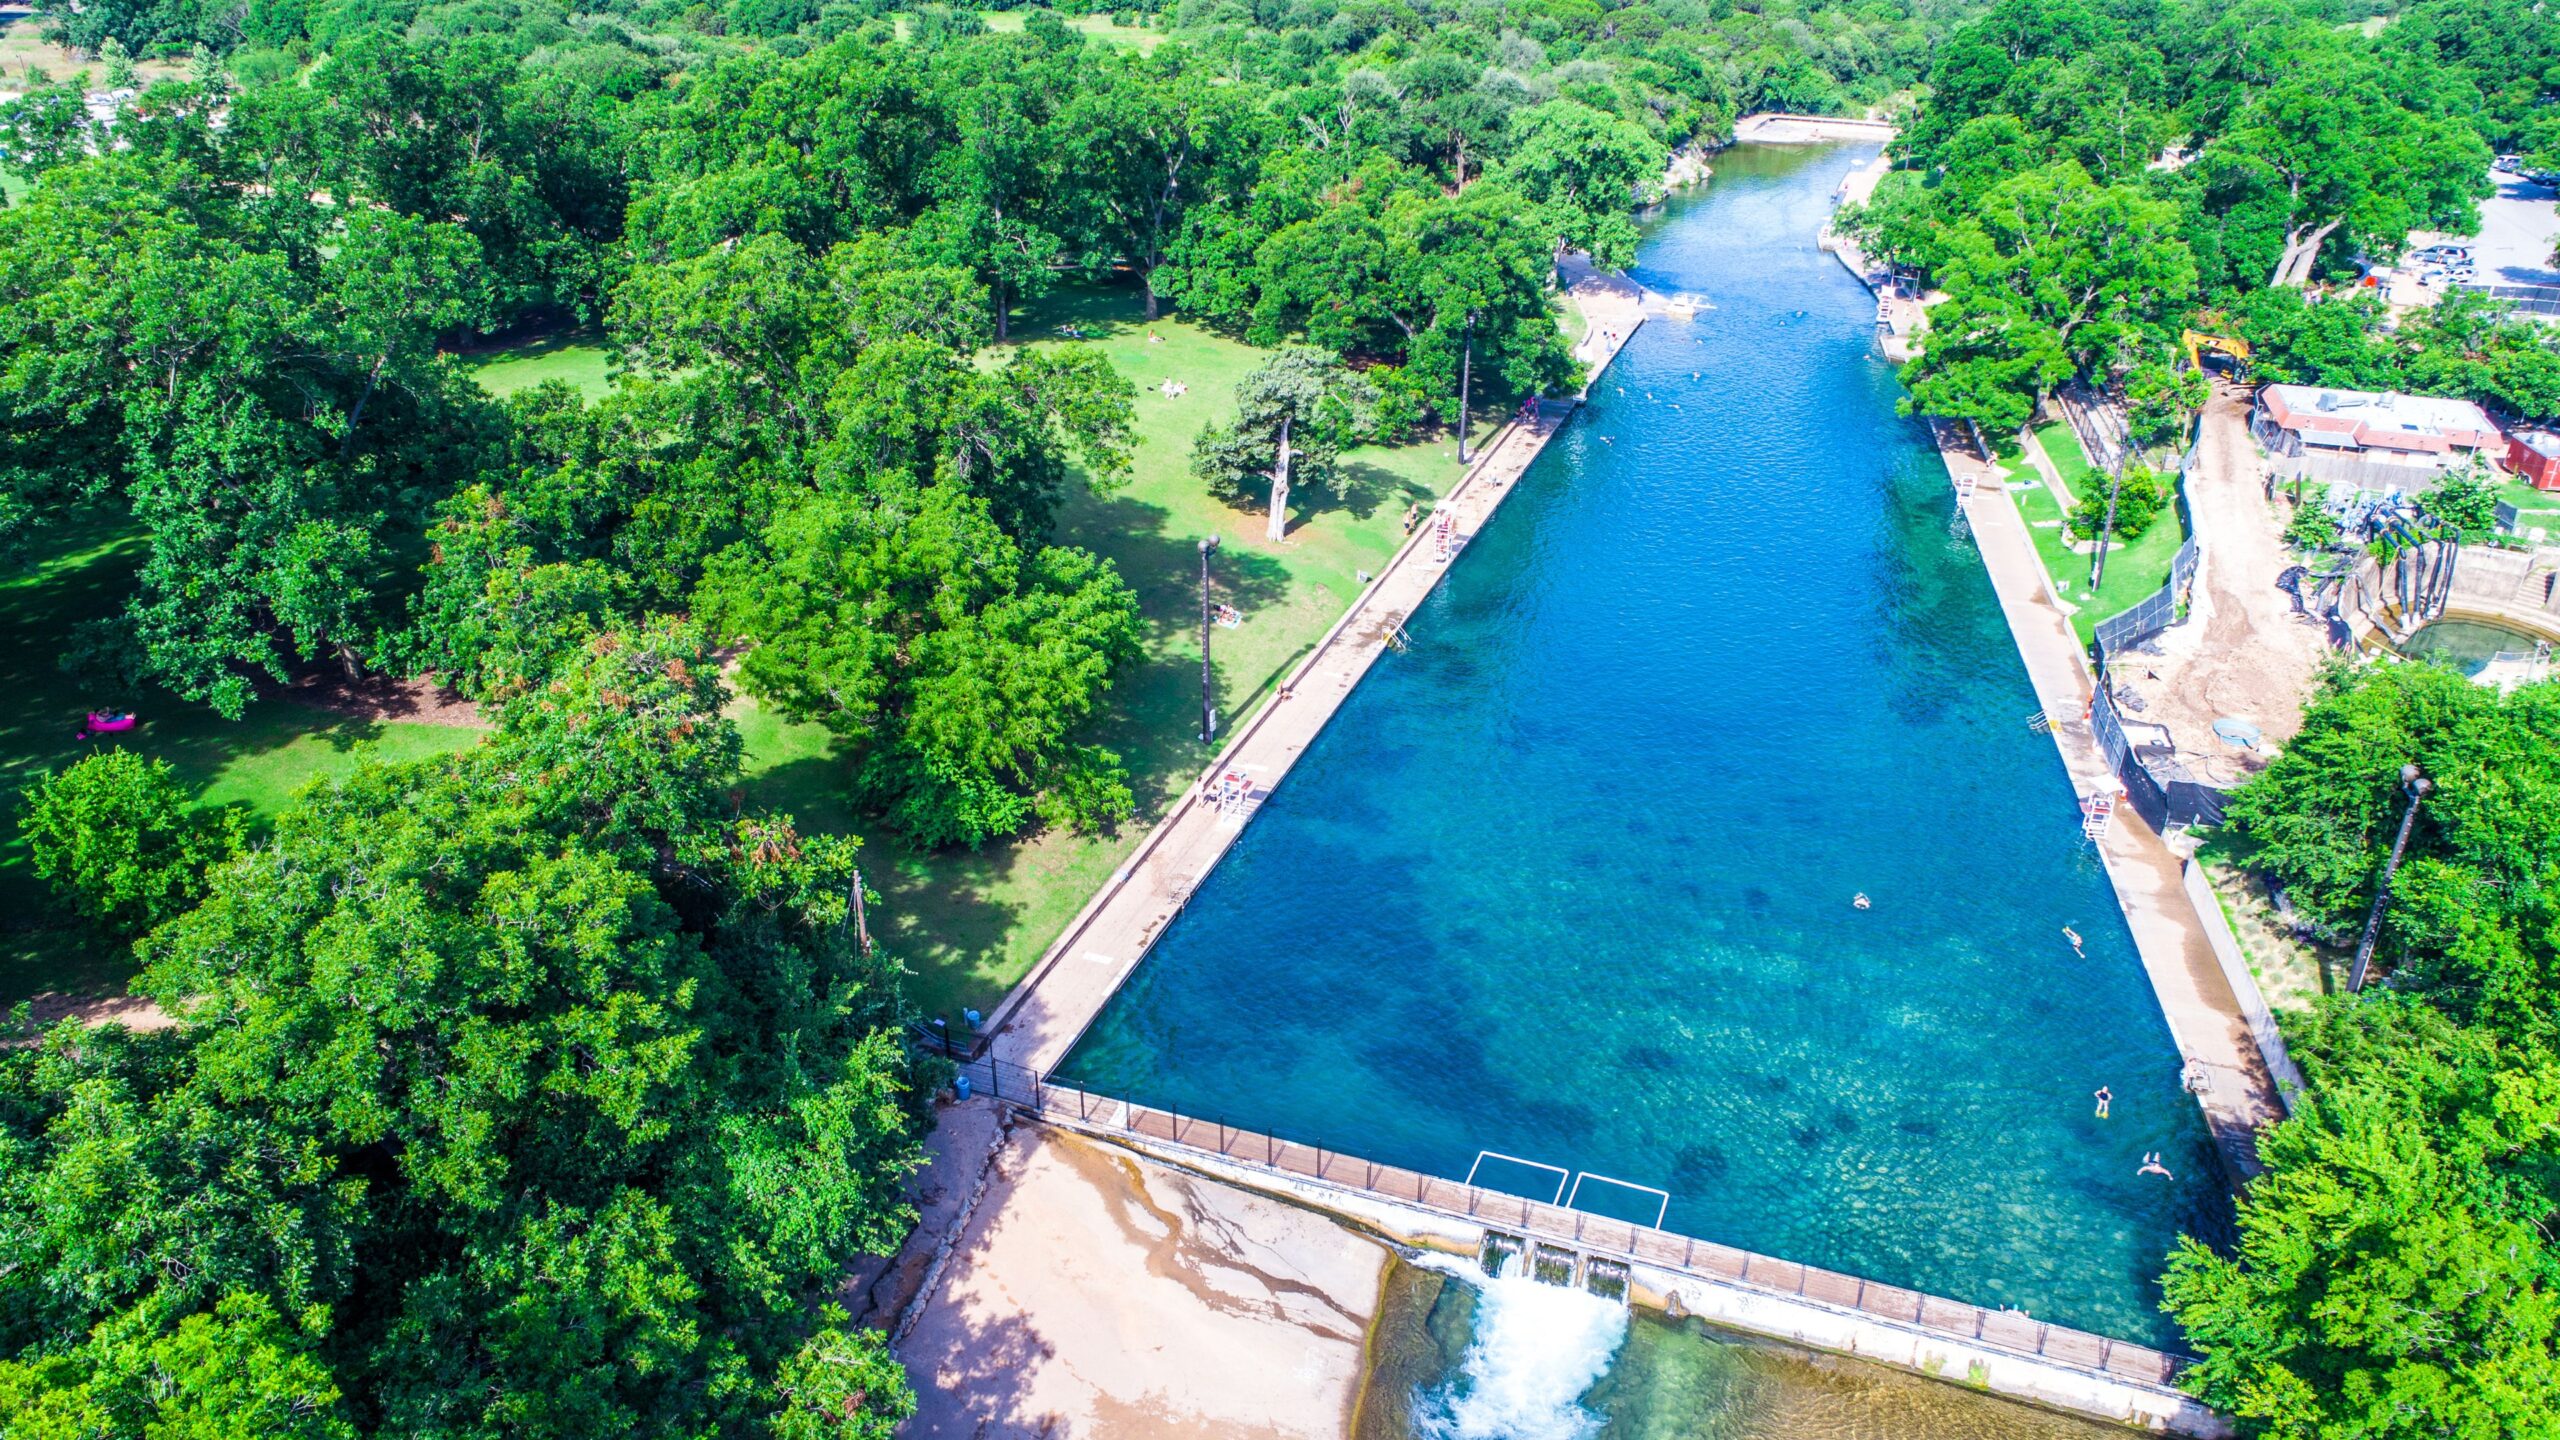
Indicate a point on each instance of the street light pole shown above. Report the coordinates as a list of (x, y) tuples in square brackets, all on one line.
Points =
[(2416, 787), (2106, 530), (1208, 700), (1466, 368)]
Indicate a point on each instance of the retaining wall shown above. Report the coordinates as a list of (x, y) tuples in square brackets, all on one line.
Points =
[(1885, 1325), (2244, 985)]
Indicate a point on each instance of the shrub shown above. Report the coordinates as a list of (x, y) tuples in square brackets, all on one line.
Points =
[(2140, 497), (2465, 500), (2312, 528), (113, 837)]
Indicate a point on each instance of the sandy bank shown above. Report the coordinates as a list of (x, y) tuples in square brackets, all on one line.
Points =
[(1090, 1293)]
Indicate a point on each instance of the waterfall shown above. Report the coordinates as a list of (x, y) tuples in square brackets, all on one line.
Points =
[(1536, 1350)]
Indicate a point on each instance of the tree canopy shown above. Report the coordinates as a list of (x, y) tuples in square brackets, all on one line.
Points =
[(2166, 162), (528, 1091)]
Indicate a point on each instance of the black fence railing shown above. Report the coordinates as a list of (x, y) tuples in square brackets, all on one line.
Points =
[(2161, 790), (2154, 612)]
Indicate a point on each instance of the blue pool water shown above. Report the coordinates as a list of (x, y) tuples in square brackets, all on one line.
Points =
[(1570, 880)]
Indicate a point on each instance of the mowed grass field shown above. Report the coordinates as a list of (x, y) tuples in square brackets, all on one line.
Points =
[(969, 924), (578, 357), (256, 764), (2134, 569)]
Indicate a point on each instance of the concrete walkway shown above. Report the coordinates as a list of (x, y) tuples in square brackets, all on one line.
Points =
[(1040, 1021), (2205, 1018)]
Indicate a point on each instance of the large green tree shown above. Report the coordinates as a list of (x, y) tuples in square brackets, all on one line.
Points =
[(527, 1092), (1294, 414), (274, 418), (958, 665), (2394, 1274), (2344, 152)]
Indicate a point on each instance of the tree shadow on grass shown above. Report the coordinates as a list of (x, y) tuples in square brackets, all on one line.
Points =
[(1091, 311), (1164, 569), (1358, 490), (938, 911)]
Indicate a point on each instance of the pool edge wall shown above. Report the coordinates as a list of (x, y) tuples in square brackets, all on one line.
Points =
[(1788, 1319)]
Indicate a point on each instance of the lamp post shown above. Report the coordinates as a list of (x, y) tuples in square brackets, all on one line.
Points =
[(1466, 369), (1208, 701), (2106, 529), (2416, 786)]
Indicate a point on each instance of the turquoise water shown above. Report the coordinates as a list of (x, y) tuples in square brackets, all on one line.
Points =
[(1570, 879)]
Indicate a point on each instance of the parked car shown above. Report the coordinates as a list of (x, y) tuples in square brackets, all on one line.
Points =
[(2507, 164), (2443, 255)]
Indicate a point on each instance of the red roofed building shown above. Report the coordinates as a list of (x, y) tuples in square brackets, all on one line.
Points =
[(2409, 429)]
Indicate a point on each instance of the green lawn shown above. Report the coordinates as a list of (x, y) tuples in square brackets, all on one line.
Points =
[(2533, 507), (2062, 446), (256, 763), (2134, 569), (971, 923), (578, 357)]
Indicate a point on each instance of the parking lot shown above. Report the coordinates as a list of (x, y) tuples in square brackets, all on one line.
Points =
[(2517, 228)]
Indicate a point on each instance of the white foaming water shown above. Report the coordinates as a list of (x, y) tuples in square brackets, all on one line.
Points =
[(1537, 1349)]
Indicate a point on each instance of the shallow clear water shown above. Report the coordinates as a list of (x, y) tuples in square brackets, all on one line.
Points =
[(1464, 1358), (2466, 645), (1570, 879)]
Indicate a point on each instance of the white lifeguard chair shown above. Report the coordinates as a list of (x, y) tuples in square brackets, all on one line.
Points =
[(2095, 812)]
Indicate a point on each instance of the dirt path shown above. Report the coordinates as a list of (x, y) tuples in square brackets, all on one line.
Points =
[(2243, 653), (376, 696)]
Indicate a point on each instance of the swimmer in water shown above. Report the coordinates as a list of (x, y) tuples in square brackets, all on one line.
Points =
[(2151, 1166), (1860, 900), (2074, 937), (2105, 1098)]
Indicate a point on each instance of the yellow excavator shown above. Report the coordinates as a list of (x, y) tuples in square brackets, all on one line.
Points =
[(2198, 342)]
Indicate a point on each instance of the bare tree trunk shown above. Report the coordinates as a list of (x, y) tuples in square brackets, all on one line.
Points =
[(1462, 162), (2300, 249), (1280, 486), (998, 290), (1147, 282), (2311, 252)]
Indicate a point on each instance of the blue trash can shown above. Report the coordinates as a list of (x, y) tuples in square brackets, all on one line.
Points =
[(960, 1086)]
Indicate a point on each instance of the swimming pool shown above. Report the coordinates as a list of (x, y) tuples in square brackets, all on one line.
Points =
[(1570, 880)]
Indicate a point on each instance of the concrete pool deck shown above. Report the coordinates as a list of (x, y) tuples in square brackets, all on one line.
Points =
[(2237, 1095), (1041, 1020)]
